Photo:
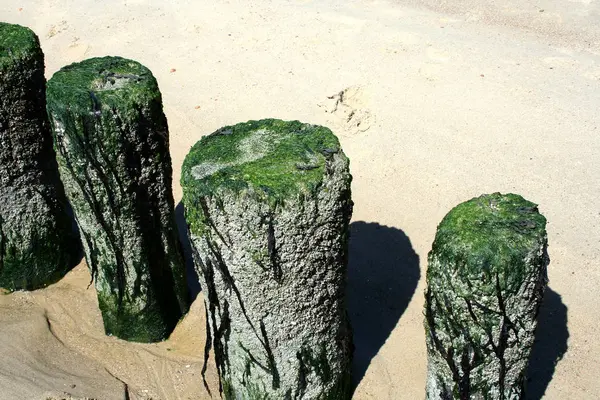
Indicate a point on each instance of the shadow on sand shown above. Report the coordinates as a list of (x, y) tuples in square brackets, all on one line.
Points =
[(383, 272), (550, 344), (190, 271)]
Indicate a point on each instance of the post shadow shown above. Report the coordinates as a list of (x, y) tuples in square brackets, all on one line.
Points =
[(190, 271), (383, 272), (77, 252), (551, 344)]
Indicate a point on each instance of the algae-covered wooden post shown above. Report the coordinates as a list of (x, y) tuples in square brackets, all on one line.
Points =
[(485, 282), (112, 146), (37, 244), (268, 206)]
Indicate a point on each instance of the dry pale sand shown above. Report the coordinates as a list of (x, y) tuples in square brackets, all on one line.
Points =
[(434, 102)]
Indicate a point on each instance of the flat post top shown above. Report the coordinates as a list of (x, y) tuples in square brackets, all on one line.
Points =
[(278, 158)]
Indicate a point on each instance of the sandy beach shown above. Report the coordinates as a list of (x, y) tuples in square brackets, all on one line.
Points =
[(434, 103)]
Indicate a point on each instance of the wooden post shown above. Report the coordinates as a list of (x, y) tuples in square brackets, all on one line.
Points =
[(112, 145), (268, 207), (485, 282)]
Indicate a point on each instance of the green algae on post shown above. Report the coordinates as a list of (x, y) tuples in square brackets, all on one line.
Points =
[(273, 156), (37, 243), (18, 44), (268, 206), (112, 143), (486, 277)]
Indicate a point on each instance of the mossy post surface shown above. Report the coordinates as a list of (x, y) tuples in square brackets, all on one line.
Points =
[(268, 206), (112, 146), (485, 281), (37, 244)]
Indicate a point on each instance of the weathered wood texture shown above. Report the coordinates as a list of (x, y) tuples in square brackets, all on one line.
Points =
[(112, 146), (486, 277), (268, 206), (37, 243)]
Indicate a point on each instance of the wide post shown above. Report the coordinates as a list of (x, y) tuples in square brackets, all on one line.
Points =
[(37, 243), (268, 206), (112, 145), (486, 278)]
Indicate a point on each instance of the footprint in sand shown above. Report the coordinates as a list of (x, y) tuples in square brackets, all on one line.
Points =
[(76, 50), (348, 109), (56, 29)]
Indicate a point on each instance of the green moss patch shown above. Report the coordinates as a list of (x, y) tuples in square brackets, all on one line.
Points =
[(32, 269), (128, 322), (491, 234), (277, 158), (16, 43), (102, 84)]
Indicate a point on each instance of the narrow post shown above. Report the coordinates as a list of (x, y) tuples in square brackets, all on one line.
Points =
[(37, 243), (112, 145), (268, 206), (485, 281)]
